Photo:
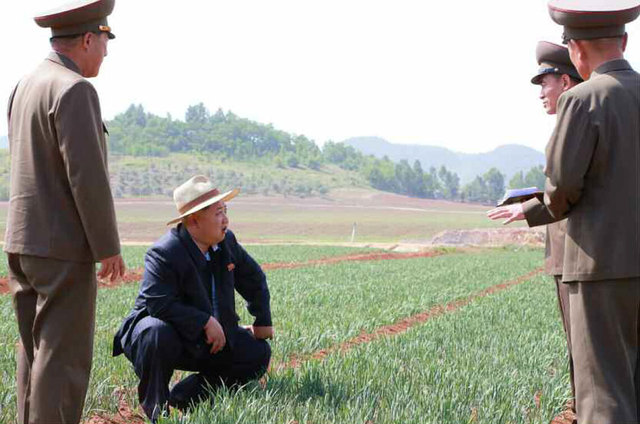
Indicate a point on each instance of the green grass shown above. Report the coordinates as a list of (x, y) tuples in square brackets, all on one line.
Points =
[(485, 363), (134, 255), (259, 175), (291, 253), (320, 306), (316, 307), (8, 340)]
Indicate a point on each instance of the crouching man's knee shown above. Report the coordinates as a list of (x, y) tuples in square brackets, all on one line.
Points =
[(156, 341)]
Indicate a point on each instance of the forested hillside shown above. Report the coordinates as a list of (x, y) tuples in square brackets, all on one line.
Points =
[(150, 155)]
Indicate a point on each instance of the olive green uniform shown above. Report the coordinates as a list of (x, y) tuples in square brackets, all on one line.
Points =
[(60, 221), (593, 170)]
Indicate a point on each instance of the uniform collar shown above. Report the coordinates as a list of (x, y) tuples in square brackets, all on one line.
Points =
[(63, 60), (613, 65)]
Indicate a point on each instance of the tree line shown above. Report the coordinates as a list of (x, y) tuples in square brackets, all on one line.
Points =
[(139, 133)]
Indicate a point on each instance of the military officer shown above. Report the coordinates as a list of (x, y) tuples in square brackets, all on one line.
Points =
[(593, 178), (555, 76), (61, 217)]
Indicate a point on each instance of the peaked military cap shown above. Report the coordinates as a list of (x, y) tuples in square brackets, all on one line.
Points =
[(553, 59), (77, 18), (589, 19)]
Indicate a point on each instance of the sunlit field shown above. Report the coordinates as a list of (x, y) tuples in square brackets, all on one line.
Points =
[(494, 358)]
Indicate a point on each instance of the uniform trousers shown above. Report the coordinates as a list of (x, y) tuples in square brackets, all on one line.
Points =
[(54, 303), (604, 338), (157, 350), (562, 290)]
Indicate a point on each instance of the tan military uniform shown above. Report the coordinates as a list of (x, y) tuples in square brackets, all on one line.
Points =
[(593, 169), (554, 258), (554, 59), (61, 220)]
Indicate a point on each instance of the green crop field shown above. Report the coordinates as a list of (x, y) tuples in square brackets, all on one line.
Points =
[(134, 255), (499, 359)]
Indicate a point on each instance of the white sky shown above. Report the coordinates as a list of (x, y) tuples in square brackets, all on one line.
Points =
[(452, 74)]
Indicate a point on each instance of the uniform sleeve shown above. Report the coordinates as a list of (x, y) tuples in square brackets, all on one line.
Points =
[(251, 283), (536, 213), (569, 154), (10, 104), (82, 146)]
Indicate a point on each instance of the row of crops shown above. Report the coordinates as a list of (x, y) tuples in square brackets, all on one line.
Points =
[(499, 359)]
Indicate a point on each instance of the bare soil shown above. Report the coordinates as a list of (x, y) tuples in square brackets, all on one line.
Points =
[(125, 415), (491, 237), (566, 417)]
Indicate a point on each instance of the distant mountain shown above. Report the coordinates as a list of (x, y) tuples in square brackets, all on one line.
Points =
[(509, 159), (4, 142)]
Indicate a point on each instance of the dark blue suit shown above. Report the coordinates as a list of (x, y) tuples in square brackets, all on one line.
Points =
[(165, 329)]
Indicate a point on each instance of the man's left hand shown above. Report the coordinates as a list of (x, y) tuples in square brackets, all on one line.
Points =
[(260, 333)]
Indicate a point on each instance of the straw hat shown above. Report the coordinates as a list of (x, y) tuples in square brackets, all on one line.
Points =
[(197, 194)]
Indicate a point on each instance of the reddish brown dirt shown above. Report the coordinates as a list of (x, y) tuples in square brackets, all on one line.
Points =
[(566, 417), (125, 415), (401, 326), (134, 275), (377, 256)]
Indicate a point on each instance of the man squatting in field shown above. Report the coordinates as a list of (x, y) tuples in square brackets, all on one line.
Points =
[(61, 218), (184, 317), (593, 178), (555, 76)]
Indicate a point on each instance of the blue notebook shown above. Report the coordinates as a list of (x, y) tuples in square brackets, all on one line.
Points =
[(519, 195)]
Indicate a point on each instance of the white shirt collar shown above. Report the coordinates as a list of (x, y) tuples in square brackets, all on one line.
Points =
[(214, 248)]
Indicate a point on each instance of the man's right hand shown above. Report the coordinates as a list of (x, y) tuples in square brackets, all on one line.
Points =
[(513, 212), (112, 268), (214, 335)]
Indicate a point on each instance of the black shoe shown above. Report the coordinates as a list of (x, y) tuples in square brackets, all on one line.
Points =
[(188, 392)]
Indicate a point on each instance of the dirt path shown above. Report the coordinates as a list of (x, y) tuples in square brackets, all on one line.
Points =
[(374, 256), (126, 415), (135, 275), (401, 326)]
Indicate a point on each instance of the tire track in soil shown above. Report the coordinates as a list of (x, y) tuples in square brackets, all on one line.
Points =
[(135, 275), (126, 415)]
